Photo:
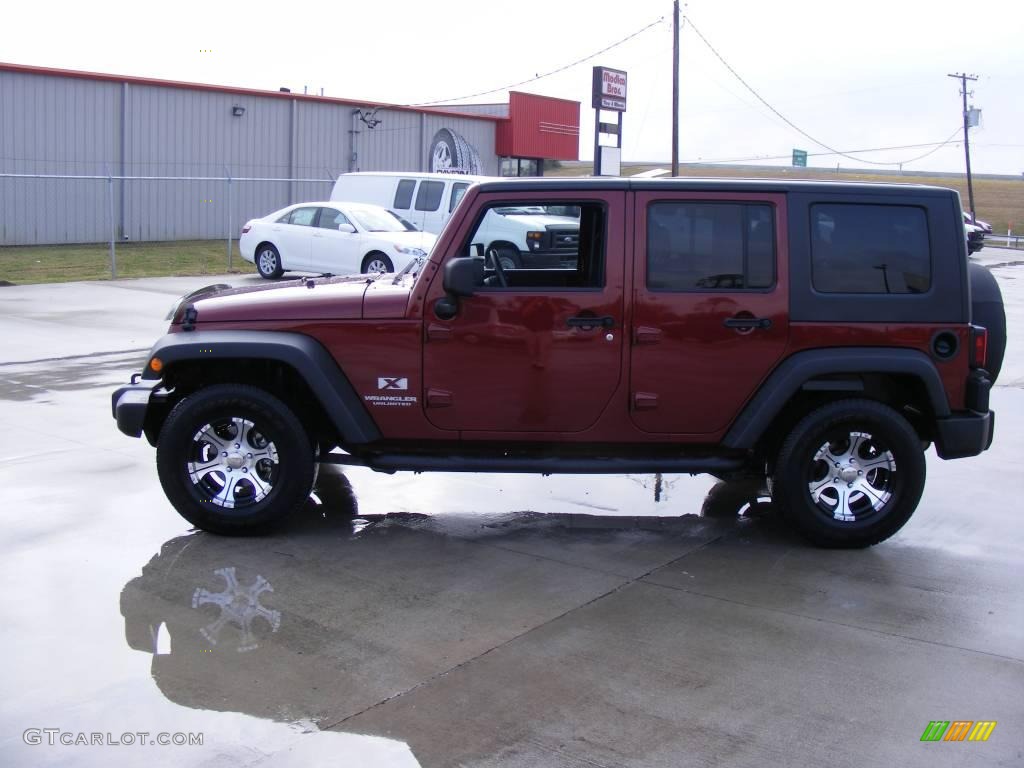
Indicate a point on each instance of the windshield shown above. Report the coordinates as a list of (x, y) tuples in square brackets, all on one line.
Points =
[(376, 220), (572, 211)]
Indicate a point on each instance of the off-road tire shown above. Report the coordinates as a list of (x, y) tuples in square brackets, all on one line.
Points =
[(888, 456), (190, 474)]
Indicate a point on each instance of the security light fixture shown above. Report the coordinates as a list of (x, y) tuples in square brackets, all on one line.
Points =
[(237, 111)]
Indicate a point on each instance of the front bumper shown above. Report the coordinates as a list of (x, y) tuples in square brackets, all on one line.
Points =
[(130, 403), (964, 434)]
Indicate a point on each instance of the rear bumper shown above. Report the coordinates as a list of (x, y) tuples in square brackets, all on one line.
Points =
[(964, 434), (129, 405)]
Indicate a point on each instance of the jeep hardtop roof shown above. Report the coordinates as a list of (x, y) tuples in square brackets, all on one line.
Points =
[(709, 185)]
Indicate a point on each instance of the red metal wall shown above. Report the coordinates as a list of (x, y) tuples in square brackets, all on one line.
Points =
[(539, 126)]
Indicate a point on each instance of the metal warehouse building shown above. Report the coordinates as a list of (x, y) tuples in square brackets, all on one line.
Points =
[(165, 160)]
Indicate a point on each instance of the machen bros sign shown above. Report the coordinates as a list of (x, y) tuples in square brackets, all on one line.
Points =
[(609, 90)]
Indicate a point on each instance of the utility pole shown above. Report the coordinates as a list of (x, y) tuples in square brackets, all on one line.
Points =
[(675, 88), (963, 78)]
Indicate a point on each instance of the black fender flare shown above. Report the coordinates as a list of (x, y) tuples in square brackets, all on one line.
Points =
[(790, 376), (305, 354)]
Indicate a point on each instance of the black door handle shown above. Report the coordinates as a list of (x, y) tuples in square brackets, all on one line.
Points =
[(586, 323), (747, 323)]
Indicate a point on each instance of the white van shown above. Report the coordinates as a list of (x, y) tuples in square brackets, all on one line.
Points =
[(424, 199), (519, 237)]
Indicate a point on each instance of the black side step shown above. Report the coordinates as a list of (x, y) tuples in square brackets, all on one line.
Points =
[(394, 462)]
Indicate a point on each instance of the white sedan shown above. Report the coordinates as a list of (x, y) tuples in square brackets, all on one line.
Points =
[(339, 238)]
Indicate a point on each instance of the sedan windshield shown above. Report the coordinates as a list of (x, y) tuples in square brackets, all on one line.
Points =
[(376, 220)]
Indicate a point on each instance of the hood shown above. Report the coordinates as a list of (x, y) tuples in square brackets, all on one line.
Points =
[(543, 220), (334, 298), (424, 240)]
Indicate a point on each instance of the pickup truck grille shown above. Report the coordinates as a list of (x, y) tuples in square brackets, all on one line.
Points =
[(565, 240)]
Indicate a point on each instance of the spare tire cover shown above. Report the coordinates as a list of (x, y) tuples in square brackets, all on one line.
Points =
[(987, 310)]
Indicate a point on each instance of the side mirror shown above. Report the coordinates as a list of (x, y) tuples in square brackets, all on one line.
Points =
[(347, 228), (460, 277)]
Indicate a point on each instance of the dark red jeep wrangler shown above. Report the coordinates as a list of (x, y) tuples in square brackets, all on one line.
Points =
[(815, 337)]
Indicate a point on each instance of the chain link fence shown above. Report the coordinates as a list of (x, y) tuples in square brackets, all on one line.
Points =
[(78, 212)]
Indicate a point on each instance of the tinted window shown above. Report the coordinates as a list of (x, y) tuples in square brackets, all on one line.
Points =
[(538, 250), (710, 246), (403, 195), (429, 196), (458, 192), (302, 216), (331, 218), (869, 249)]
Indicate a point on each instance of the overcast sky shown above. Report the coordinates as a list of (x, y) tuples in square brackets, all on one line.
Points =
[(854, 76)]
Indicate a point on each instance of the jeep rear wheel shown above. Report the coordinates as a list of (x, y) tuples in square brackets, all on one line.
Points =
[(850, 474), (234, 459)]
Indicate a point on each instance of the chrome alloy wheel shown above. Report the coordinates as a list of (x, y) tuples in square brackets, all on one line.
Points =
[(852, 477), (376, 265), (268, 261), (232, 462)]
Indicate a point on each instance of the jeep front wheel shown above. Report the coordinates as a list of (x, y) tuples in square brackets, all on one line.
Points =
[(850, 474), (233, 459)]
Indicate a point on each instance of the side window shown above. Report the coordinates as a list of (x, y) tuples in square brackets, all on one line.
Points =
[(540, 250), (403, 195), (330, 218), (429, 196), (458, 192), (869, 248), (302, 216), (694, 246)]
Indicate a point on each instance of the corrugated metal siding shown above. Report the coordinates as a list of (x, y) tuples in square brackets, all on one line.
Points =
[(541, 127), (391, 146), (60, 124), (56, 126), (177, 132)]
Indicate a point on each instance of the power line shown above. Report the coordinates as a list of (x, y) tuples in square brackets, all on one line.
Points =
[(786, 120), (936, 144), (535, 78)]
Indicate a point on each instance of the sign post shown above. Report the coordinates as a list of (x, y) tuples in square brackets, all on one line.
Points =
[(608, 94)]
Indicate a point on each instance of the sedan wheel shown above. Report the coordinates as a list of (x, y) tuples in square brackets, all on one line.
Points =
[(268, 262), (376, 262)]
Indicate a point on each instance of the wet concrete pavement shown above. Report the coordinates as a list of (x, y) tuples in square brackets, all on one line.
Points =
[(475, 620)]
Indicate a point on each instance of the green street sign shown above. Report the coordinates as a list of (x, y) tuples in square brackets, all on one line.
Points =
[(800, 158)]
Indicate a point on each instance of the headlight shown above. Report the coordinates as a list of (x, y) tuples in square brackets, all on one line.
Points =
[(410, 251)]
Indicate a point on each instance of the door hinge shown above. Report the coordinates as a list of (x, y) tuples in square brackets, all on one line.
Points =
[(644, 401), (438, 332), (438, 398), (644, 335)]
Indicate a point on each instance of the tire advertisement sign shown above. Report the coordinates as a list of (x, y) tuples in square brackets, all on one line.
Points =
[(451, 153), (609, 90)]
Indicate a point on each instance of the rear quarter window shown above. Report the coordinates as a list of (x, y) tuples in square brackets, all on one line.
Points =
[(403, 195), (863, 248), (429, 196)]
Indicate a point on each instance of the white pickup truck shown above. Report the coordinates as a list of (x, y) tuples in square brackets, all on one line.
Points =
[(531, 237), (523, 237)]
